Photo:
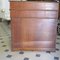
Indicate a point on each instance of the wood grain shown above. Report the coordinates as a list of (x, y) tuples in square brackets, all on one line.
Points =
[(35, 14), (34, 25), (33, 5)]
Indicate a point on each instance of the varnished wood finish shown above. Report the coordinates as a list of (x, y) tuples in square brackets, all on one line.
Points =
[(34, 25)]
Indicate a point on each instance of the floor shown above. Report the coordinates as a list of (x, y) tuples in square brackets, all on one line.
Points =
[(7, 54)]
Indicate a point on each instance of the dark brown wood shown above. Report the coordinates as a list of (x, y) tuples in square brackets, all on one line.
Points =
[(34, 28)]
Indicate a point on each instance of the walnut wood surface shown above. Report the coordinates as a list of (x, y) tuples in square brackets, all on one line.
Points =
[(34, 25)]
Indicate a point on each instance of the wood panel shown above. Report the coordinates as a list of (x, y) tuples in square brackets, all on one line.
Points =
[(35, 14), (34, 25), (33, 29), (33, 5)]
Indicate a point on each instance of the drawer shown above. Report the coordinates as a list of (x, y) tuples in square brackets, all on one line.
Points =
[(17, 5), (34, 14), (33, 29)]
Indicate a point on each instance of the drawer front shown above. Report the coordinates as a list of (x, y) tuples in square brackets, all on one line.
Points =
[(33, 5), (24, 29), (34, 14), (33, 34)]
